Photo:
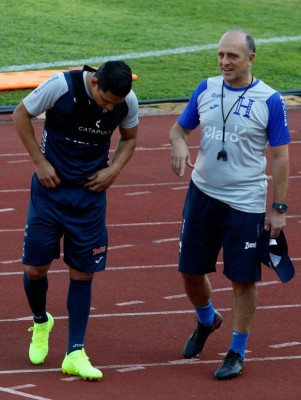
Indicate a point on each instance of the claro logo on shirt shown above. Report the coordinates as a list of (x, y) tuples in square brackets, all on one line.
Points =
[(217, 134)]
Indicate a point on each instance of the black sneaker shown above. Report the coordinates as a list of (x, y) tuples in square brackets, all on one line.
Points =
[(196, 342), (232, 366)]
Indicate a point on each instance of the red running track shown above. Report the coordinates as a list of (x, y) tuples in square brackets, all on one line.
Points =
[(140, 318)]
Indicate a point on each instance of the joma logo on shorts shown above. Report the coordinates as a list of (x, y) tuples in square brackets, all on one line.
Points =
[(99, 250), (249, 245)]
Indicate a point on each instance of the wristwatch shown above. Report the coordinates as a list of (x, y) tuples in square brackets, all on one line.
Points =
[(280, 207)]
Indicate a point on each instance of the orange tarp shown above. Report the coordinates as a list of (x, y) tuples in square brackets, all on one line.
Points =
[(27, 79)]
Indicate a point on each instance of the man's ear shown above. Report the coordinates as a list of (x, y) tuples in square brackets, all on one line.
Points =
[(94, 82), (252, 57)]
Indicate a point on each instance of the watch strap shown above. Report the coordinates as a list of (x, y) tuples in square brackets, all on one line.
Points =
[(280, 207)]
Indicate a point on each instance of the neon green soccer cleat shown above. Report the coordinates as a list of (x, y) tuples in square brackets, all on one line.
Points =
[(38, 348), (77, 363)]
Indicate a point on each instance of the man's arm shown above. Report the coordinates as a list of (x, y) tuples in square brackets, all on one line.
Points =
[(280, 174), (180, 156), (123, 152), (45, 171)]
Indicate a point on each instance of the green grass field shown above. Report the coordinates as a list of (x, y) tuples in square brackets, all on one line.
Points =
[(51, 31)]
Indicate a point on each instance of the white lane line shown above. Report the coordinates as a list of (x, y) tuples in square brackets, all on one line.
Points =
[(158, 223), (134, 224), (225, 289), (122, 246), (224, 354), (60, 271), (145, 185), (268, 283), (71, 378), (16, 393), (130, 303), (17, 162), (166, 240), (175, 296), (121, 186), (13, 155), (130, 369), (22, 387), (2, 210), (14, 190), (180, 188), (282, 345), (154, 313), (131, 267), (152, 365), (18, 260), (184, 361), (137, 193)]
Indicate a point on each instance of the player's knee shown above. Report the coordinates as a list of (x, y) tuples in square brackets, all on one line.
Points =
[(35, 273), (193, 279), (80, 275)]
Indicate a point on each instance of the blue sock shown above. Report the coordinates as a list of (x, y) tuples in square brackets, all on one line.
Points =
[(206, 314), (239, 343), (78, 305), (36, 295)]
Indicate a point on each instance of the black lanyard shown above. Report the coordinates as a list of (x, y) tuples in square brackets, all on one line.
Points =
[(223, 154)]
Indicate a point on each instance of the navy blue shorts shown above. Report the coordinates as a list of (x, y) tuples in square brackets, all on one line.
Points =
[(77, 215), (210, 225)]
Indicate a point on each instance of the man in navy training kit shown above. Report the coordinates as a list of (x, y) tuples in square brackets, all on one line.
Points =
[(68, 191), (226, 200)]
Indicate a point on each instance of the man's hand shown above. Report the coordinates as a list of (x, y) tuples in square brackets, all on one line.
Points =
[(46, 174), (102, 180), (180, 156), (275, 222)]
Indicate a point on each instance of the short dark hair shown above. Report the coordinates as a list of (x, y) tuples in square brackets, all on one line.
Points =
[(115, 77), (250, 44)]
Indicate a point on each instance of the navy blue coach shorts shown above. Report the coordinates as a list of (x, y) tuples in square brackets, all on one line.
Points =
[(76, 214), (210, 225)]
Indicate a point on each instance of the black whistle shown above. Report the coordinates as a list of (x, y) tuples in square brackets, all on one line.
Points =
[(223, 155)]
